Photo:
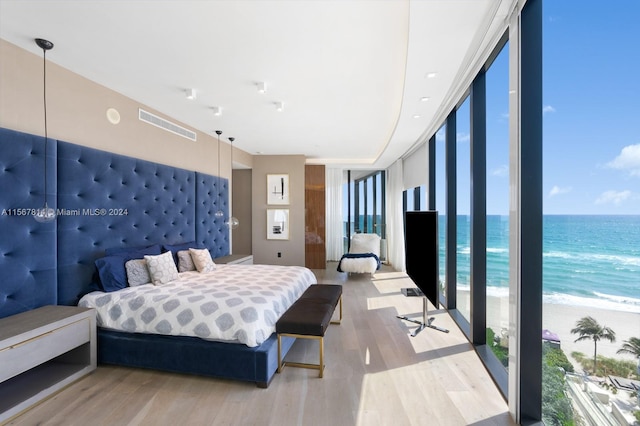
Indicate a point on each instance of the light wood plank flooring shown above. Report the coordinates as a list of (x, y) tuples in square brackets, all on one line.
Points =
[(376, 374)]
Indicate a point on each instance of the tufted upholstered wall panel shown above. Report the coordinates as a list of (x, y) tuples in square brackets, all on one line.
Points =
[(211, 231), (107, 200), (122, 202), (27, 248)]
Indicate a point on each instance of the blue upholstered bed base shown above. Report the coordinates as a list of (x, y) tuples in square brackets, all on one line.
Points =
[(142, 203), (193, 356)]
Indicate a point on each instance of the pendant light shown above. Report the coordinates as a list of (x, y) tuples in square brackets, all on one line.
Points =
[(233, 221), (219, 212), (45, 214)]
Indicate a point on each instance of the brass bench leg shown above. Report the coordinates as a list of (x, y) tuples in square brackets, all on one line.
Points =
[(320, 366), (279, 353), (340, 319), (321, 341)]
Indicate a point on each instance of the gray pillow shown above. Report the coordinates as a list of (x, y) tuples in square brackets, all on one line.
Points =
[(137, 272), (162, 268), (185, 262)]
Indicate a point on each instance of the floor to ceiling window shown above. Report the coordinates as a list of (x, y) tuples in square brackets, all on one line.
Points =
[(487, 192), (463, 198), (439, 186), (591, 254), (497, 262), (364, 206)]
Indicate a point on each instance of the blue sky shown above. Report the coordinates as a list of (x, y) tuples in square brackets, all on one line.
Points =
[(592, 107), (591, 65)]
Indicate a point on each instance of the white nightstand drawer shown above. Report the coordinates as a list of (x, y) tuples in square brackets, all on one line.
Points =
[(22, 356)]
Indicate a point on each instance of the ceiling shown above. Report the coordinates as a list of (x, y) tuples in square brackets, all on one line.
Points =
[(351, 74)]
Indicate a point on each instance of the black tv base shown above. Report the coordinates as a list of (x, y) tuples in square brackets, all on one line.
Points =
[(426, 322)]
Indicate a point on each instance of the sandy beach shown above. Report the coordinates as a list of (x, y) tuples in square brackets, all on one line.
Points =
[(560, 319)]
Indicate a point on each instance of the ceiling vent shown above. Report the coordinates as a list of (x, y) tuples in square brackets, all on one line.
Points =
[(154, 120)]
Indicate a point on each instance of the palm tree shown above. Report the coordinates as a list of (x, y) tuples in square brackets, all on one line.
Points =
[(589, 329), (631, 347)]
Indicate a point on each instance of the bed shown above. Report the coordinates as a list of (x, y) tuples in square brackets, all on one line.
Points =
[(232, 303), (111, 202), (223, 318)]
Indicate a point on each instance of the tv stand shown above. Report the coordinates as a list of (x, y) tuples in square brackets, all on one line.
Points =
[(426, 322)]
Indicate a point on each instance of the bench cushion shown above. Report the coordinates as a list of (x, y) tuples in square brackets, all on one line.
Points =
[(323, 293), (311, 314), (307, 318)]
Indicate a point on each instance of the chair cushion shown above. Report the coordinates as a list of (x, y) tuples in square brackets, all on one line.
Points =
[(365, 243)]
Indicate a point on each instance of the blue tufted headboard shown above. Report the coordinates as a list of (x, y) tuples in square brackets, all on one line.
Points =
[(104, 200), (27, 248)]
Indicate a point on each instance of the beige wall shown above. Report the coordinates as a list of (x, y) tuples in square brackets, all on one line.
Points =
[(241, 201), (76, 113), (265, 251)]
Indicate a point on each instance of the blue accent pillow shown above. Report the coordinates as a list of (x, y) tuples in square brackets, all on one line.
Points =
[(111, 269), (175, 248), (119, 250)]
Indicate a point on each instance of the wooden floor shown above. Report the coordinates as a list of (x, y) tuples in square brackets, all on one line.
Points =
[(376, 374)]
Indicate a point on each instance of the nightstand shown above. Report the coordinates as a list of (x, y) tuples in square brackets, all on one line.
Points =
[(42, 351)]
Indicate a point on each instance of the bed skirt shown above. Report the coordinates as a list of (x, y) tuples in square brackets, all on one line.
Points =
[(192, 355)]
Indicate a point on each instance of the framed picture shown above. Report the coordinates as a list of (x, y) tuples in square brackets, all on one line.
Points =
[(277, 224), (278, 189)]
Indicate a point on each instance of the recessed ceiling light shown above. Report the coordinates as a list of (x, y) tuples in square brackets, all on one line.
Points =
[(431, 74), (217, 111), (279, 106), (191, 94), (424, 99), (262, 87), (416, 116)]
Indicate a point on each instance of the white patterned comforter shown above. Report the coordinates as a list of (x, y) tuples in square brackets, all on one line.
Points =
[(235, 303)]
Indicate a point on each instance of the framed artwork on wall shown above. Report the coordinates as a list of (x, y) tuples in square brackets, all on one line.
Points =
[(278, 224), (278, 189)]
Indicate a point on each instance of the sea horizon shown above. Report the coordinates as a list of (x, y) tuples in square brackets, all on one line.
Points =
[(589, 260)]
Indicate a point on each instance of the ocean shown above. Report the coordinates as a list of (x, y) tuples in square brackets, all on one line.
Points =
[(589, 261)]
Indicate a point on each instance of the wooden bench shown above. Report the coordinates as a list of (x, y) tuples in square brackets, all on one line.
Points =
[(308, 318)]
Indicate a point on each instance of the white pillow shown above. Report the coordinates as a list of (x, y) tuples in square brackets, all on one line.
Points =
[(162, 268), (185, 262), (137, 272), (202, 260)]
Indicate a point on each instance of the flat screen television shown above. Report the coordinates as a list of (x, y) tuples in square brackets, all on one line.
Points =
[(422, 252)]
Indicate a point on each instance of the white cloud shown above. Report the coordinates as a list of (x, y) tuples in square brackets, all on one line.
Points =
[(628, 159), (556, 190), (500, 171), (463, 137), (613, 197), (548, 108)]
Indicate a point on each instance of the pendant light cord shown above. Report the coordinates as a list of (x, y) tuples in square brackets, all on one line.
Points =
[(44, 61)]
